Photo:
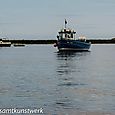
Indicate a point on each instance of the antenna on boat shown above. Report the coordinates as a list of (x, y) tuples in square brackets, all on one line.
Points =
[(65, 23)]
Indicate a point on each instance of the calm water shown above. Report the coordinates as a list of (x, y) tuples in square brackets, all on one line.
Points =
[(38, 76)]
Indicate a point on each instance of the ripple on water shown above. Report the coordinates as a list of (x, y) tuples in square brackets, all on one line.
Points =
[(71, 84), (64, 103)]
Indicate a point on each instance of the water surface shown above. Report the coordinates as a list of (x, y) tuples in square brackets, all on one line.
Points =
[(39, 76)]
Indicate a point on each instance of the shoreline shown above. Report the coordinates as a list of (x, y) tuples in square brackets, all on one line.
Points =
[(93, 41)]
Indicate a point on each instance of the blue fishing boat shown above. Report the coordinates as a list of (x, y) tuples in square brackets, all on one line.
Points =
[(67, 41)]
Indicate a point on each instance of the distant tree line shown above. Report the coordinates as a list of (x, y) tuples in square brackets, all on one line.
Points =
[(93, 41)]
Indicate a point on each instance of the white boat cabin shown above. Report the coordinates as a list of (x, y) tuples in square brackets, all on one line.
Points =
[(67, 34)]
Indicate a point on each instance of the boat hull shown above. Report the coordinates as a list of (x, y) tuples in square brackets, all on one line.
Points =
[(73, 45), (72, 49)]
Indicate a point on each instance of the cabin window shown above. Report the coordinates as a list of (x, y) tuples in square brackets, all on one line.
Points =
[(66, 35), (71, 35), (61, 36)]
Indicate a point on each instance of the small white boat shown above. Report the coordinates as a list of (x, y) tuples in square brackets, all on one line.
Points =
[(4, 44)]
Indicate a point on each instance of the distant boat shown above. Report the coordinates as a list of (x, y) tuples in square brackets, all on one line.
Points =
[(4, 44), (19, 45), (67, 41)]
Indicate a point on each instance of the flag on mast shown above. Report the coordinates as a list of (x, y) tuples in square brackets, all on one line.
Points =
[(65, 21)]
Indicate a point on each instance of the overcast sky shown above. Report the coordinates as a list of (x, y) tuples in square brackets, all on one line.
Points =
[(42, 19)]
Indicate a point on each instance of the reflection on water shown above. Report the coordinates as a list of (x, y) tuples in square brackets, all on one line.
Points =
[(66, 55), (67, 62), (68, 73), (65, 65)]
